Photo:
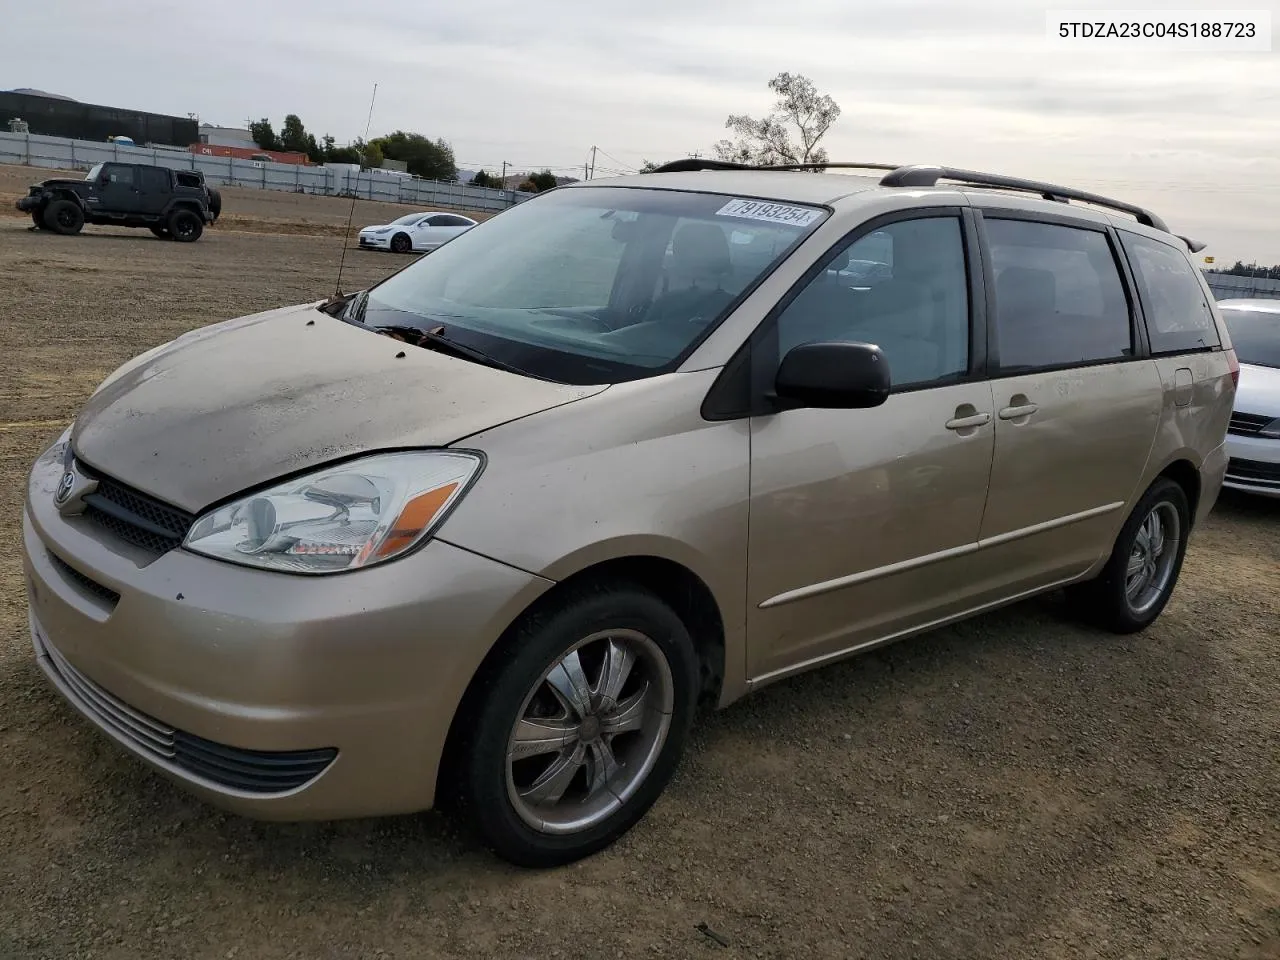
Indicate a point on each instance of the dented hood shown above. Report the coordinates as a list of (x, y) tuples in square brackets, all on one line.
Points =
[(234, 405)]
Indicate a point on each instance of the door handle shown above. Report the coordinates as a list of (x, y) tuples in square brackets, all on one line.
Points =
[(966, 423), (1018, 412)]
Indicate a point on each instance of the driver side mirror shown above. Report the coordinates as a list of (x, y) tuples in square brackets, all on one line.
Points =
[(836, 375)]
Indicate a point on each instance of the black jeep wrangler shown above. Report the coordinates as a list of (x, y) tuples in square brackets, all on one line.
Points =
[(172, 203)]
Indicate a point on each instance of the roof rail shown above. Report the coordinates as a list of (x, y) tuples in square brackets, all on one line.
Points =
[(922, 175), (692, 164), (928, 176)]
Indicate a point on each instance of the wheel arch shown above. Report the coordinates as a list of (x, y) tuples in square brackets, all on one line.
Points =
[(674, 583), (1186, 475), (65, 194), (183, 204)]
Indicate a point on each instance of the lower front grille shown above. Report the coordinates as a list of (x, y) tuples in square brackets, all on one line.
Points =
[(1247, 424), (133, 516), (1254, 472), (85, 583), (246, 771)]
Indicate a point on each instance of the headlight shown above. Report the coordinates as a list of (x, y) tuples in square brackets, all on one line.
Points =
[(345, 517)]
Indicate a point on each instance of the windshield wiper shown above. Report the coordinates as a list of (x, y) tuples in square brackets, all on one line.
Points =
[(432, 340)]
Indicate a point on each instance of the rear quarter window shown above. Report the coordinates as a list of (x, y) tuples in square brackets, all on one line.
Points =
[(1178, 314)]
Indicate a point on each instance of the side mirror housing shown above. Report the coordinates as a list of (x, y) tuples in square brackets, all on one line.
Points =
[(834, 375)]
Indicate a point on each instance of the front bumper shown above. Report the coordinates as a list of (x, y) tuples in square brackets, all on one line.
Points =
[(1254, 465), (274, 696), (375, 242), (28, 204)]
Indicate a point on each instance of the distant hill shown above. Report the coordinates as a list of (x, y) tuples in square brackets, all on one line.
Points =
[(32, 92)]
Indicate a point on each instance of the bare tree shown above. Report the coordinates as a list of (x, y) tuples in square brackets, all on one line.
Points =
[(768, 140)]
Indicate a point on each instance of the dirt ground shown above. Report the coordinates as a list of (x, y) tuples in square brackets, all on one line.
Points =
[(244, 209), (1014, 787)]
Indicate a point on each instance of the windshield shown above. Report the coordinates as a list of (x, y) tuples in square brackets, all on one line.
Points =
[(594, 284), (409, 218), (93, 172), (1255, 335)]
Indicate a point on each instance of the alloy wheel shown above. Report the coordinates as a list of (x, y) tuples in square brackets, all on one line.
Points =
[(1152, 558), (589, 732)]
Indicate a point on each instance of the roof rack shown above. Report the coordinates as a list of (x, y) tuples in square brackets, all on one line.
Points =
[(921, 175), (927, 176), (694, 164)]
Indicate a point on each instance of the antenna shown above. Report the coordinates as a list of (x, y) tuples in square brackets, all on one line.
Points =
[(346, 234)]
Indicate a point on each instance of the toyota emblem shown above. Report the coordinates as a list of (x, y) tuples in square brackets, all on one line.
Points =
[(65, 486)]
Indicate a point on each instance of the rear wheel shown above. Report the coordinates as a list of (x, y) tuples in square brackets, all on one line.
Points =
[(1143, 569), (578, 726), (64, 216), (185, 226), (401, 243), (161, 232)]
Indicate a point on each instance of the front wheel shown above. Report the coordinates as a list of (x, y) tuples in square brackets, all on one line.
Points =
[(1143, 569), (64, 216), (578, 726), (401, 243)]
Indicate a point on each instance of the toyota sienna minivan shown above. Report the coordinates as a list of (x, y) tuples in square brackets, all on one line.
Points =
[(489, 530)]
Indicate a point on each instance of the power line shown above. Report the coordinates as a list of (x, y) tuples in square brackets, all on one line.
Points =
[(620, 163)]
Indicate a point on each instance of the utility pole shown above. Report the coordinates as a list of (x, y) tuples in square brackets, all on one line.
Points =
[(592, 175), (504, 174)]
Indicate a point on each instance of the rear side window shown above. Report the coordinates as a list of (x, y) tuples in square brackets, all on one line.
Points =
[(1059, 298), (154, 179), (1177, 312)]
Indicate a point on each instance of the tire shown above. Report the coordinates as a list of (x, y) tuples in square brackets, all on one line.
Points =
[(1111, 601), (513, 804), (37, 219), (215, 202), (64, 216), (401, 243), (161, 232), (185, 226)]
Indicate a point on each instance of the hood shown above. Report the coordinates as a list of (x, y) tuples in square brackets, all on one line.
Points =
[(65, 182), (1259, 390), (240, 403)]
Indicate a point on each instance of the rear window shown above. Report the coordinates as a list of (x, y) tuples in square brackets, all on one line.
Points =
[(595, 284), (1178, 314), (1255, 335)]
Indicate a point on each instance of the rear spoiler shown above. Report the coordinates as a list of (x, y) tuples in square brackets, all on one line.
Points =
[(1195, 246)]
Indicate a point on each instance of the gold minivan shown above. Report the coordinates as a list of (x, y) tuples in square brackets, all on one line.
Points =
[(489, 530)]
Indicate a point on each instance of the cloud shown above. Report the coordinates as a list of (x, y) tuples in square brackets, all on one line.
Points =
[(1194, 135)]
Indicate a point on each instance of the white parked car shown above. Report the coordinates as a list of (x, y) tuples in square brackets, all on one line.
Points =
[(1253, 439), (415, 232)]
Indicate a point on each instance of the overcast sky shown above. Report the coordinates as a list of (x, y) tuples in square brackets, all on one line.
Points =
[(1196, 136)]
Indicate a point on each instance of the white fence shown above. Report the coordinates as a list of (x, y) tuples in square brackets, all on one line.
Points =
[(60, 153), (1225, 286)]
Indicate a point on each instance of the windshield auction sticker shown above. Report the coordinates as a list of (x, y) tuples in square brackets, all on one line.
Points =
[(769, 212)]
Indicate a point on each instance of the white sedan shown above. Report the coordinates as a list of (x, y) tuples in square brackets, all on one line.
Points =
[(1253, 439), (416, 232)]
